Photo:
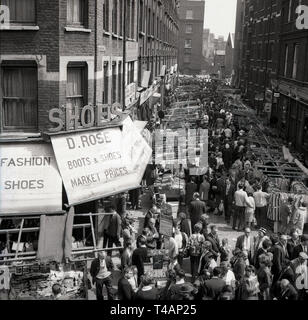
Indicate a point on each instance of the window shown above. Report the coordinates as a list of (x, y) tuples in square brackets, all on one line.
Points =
[(19, 101), (130, 72), (115, 17), (106, 15), (290, 10), (286, 61), (132, 20), (121, 17), (141, 16), (189, 14), (114, 82), (76, 12), (188, 43), (106, 84), (21, 11), (75, 86), (189, 28), (295, 61), (120, 82), (127, 19)]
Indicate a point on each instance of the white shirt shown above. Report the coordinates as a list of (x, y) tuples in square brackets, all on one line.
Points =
[(246, 245), (260, 198), (179, 240), (229, 278), (240, 198)]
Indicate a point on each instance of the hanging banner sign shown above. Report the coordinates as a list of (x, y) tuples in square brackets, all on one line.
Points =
[(101, 163), (30, 180)]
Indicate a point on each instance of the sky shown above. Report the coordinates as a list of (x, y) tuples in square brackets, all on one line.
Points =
[(220, 17)]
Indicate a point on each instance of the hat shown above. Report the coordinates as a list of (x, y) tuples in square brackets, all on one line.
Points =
[(303, 255), (186, 288), (263, 230), (207, 244)]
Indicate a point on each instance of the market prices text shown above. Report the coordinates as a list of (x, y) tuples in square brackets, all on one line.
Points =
[(109, 174), (88, 116)]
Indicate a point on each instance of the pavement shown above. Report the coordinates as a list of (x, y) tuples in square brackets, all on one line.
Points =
[(224, 231)]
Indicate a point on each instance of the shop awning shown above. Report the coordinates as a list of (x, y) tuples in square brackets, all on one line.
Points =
[(100, 163), (30, 180)]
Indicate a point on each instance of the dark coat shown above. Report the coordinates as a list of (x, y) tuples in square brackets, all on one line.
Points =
[(297, 250), (289, 294), (213, 288), (184, 227), (126, 260), (95, 267), (140, 255), (215, 244), (125, 290), (191, 188), (278, 259), (290, 247), (196, 209), (115, 226), (229, 198)]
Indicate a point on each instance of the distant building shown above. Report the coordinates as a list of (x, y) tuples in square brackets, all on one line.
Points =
[(219, 63), (191, 15), (229, 55)]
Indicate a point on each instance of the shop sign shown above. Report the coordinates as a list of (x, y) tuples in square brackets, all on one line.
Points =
[(30, 180), (276, 95), (88, 116), (130, 93), (101, 163)]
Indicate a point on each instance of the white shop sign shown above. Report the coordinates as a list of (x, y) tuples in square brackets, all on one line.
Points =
[(100, 163), (30, 180)]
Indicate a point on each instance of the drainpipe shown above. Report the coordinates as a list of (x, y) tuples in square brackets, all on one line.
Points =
[(124, 54)]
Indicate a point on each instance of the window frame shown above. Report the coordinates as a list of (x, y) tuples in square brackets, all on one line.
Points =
[(82, 24), (24, 23), (84, 78), (17, 65)]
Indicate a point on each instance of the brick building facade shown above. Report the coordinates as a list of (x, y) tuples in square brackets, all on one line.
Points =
[(191, 14), (271, 55), (70, 52)]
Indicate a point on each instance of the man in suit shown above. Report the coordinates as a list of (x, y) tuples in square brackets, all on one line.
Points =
[(278, 257), (213, 238), (140, 255), (100, 271), (246, 244), (302, 247), (196, 209), (191, 188), (285, 291), (114, 229), (213, 287), (228, 197), (293, 242), (204, 190), (125, 290), (257, 243)]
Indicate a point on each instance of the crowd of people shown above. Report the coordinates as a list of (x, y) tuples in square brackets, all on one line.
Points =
[(268, 266)]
